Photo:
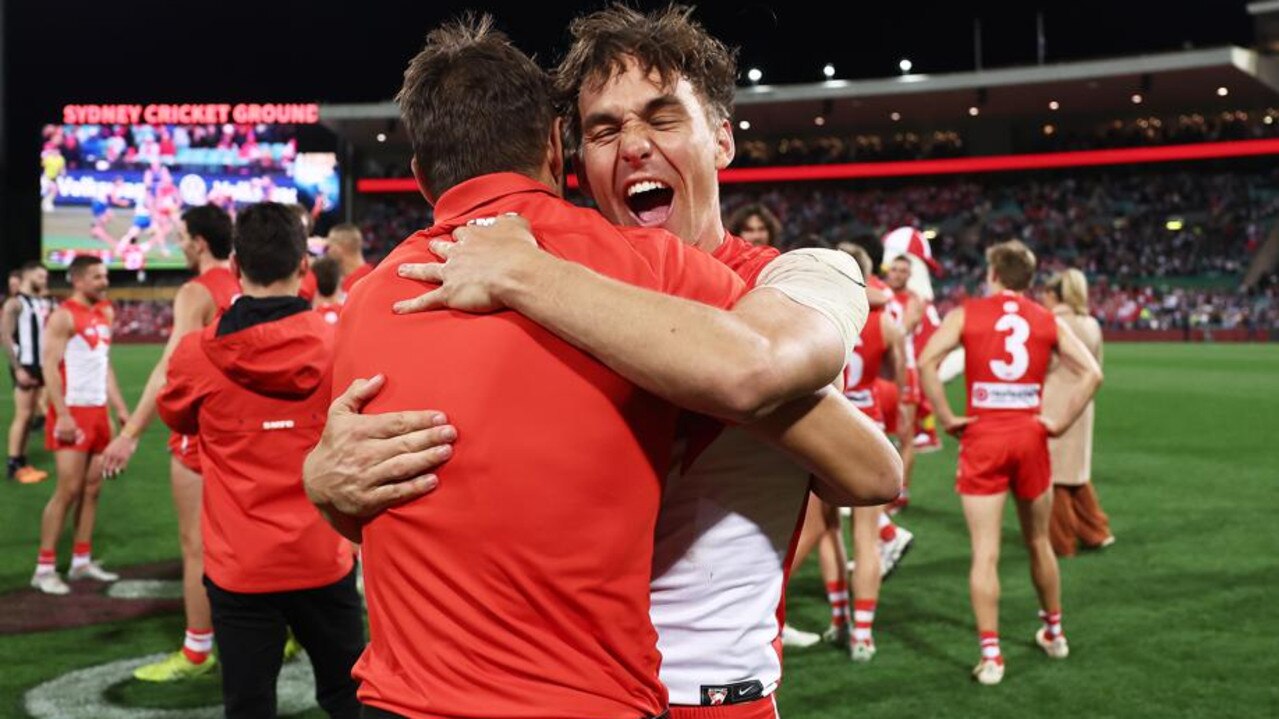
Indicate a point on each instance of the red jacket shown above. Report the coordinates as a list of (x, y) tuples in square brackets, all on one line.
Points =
[(257, 397)]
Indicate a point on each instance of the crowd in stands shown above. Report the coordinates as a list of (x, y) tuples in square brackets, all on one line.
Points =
[(138, 147), (911, 145), (1163, 250)]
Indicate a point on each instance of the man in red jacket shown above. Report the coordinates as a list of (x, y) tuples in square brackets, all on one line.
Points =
[(255, 387)]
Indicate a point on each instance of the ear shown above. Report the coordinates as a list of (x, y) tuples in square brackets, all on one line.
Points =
[(305, 265), (725, 146), (235, 267), (422, 185), (555, 148)]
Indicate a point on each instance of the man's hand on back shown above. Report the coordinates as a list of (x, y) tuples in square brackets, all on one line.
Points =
[(478, 263), (367, 463)]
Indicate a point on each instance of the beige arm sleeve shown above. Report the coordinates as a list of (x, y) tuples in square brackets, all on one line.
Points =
[(827, 281)]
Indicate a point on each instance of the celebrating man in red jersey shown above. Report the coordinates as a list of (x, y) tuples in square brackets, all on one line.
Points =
[(254, 386), (77, 372), (1009, 341), (204, 235)]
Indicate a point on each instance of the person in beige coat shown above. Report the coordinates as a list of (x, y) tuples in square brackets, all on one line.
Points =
[(1077, 517)]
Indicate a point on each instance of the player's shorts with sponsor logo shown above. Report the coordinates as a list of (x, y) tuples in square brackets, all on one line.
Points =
[(93, 435), (1004, 452), (763, 708), (185, 449)]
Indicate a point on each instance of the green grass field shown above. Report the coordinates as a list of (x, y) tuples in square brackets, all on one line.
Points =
[(1179, 618)]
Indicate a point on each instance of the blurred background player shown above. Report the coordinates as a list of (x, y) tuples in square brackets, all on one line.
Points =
[(271, 562), (77, 371), (307, 289), (756, 224), (21, 331), (204, 236), (906, 310), (328, 292), (53, 166), (1077, 515), (877, 543), (346, 247), (1009, 342), (100, 209), (142, 215)]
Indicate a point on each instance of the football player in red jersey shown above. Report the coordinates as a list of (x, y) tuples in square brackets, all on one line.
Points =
[(204, 236), (81, 383), (1009, 342)]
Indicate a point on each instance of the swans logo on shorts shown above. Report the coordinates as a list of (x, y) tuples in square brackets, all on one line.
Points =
[(714, 696), (738, 693)]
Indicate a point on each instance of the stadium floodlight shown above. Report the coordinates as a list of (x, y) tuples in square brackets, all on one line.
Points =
[(754, 75), (1223, 91), (828, 71), (381, 137), (744, 125), (1174, 224), (896, 116), (819, 121), (1053, 105), (1049, 129), (905, 65), (974, 111), (1136, 99)]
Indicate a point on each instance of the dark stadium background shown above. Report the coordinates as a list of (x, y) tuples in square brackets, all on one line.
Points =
[(159, 51)]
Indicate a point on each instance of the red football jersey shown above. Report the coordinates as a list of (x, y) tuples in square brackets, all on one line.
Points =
[(356, 275), (928, 325), (863, 367), (1008, 340), (224, 287), (747, 260)]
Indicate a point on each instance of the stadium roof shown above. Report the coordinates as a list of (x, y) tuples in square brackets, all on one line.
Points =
[(1172, 82)]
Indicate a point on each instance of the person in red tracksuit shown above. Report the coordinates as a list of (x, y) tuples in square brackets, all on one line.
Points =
[(328, 295), (254, 386), (1009, 341)]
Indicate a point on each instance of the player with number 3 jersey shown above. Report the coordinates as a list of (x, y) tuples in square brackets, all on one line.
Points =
[(1009, 340)]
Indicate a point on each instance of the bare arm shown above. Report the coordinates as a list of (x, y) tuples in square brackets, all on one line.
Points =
[(56, 336), (1085, 380), (896, 340), (854, 462), (946, 338), (8, 325), (736, 365), (191, 307), (914, 314)]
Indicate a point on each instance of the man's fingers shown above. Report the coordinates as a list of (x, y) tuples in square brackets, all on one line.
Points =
[(356, 396), (401, 466), (392, 495), (443, 248), (424, 439), (397, 424), (422, 271), (429, 301)]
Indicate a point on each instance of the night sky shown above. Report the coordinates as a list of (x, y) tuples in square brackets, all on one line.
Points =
[(271, 50)]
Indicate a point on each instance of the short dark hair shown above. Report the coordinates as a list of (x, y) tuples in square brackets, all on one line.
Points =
[(31, 266), (1013, 264), (81, 263), (269, 242), (737, 221), (328, 273), (473, 104), (668, 41), (213, 224)]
